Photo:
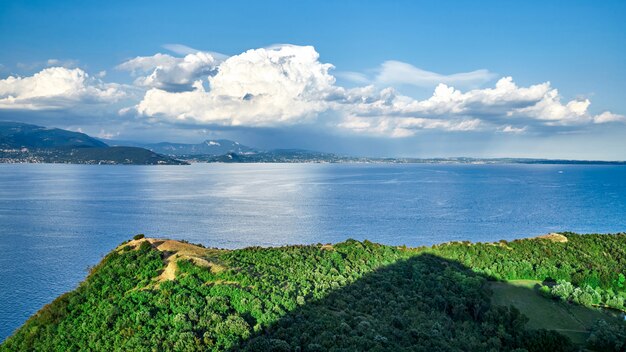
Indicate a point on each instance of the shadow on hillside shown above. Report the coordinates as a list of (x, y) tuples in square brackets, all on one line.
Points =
[(425, 303), (569, 319)]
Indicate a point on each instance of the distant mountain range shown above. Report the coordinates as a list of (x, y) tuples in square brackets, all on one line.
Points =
[(208, 147), (25, 143), (20, 142)]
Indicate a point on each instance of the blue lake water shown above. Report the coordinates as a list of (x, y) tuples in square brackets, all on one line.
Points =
[(56, 220)]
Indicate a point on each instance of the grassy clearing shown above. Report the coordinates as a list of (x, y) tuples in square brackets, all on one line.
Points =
[(173, 251), (544, 313)]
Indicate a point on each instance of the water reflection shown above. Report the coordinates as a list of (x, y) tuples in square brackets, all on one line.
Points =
[(225, 206)]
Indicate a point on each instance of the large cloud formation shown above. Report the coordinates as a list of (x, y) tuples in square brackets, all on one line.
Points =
[(261, 87), (56, 88), (287, 85)]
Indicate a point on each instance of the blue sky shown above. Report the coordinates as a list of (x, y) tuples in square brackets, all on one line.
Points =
[(409, 47)]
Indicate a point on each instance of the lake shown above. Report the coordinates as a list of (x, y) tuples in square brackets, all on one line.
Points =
[(57, 220)]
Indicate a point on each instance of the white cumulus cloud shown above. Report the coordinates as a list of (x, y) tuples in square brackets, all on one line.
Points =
[(512, 129), (397, 127), (261, 87), (54, 88), (607, 117), (167, 72)]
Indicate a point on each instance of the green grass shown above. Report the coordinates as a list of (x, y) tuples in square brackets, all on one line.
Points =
[(543, 313)]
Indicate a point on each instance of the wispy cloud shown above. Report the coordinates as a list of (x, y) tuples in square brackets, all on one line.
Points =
[(67, 63), (182, 49), (398, 73), (395, 73), (29, 66), (356, 77)]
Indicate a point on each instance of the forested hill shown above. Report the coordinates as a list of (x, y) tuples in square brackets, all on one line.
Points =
[(151, 294)]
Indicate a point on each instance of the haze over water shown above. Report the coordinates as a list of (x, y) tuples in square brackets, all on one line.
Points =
[(56, 220)]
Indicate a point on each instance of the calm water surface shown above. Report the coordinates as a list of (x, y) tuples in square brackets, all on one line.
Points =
[(56, 220)]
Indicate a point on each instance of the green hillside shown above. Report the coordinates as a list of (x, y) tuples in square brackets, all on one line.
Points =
[(167, 295), (22, 135)]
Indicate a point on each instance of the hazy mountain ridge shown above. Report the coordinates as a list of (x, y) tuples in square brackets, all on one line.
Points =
[(207, 147)]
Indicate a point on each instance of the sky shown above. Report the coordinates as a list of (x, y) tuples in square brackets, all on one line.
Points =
[(380, 78)]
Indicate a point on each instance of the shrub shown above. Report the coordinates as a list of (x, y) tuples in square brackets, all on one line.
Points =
[(545, 291), (607, 337), (563, 289)]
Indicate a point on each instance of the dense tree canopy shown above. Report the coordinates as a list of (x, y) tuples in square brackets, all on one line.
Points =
[(351, 296)]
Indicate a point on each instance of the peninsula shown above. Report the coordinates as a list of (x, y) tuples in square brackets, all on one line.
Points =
[(560, 292)]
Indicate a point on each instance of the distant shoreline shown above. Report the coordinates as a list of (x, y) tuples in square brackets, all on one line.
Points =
[(26, 143), (340, 160)]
